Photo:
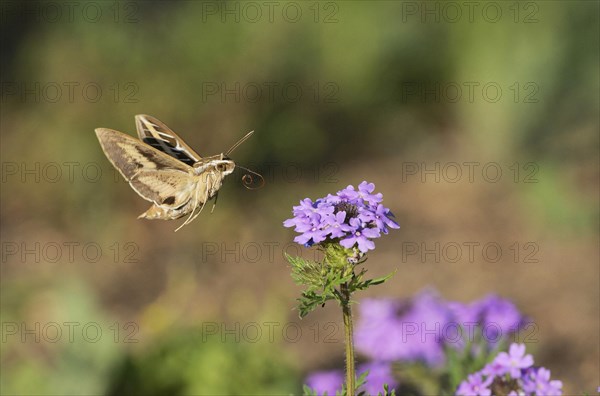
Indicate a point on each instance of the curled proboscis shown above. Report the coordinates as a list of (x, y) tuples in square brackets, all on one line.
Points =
[(252, 180)]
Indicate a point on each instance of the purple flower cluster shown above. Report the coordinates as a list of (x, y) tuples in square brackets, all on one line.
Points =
[(354, 217), (509, 371), (331, 381), (420, 329)]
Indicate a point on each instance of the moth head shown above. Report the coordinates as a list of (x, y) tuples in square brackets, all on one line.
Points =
[(224, 166)]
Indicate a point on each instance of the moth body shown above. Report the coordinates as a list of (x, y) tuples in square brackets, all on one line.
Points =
[(164, 170)]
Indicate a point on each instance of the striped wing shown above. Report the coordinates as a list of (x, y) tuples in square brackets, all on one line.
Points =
[(154, 175), (156, 134)]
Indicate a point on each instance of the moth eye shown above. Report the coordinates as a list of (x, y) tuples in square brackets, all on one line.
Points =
[(221, 167)]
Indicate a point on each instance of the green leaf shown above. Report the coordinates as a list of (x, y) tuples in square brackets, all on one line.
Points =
[(310, 300), (370, 282), (308, 391), (322, 281), (386, 391), (362, 379)]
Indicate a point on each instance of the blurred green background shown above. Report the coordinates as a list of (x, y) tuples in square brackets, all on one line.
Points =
[(97, 302)]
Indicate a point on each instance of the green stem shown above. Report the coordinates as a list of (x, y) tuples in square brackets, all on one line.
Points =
[(348, 331)]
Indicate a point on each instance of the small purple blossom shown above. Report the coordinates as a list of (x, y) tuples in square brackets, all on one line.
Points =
[(537, 381), (475, 385), (363, 193), (514, 369), (499, 316), (352, 217), (515, 360), (335, 222), (382, 219), (361, 235), (494, 369)]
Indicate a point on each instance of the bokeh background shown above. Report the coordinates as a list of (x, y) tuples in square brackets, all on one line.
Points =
[(402, 94)]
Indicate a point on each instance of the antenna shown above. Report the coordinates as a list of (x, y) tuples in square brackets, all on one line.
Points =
[(242, 140)]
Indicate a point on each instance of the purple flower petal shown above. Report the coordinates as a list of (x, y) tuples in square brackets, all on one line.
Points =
[(326, 381)]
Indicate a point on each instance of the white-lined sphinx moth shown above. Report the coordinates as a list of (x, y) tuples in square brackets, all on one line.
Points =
[(164, 170)]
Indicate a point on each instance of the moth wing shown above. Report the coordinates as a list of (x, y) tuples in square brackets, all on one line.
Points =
[(130, 156), (166, 188), (158, 135)]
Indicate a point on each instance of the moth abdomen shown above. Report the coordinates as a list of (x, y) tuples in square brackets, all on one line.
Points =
[(156, 212)]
